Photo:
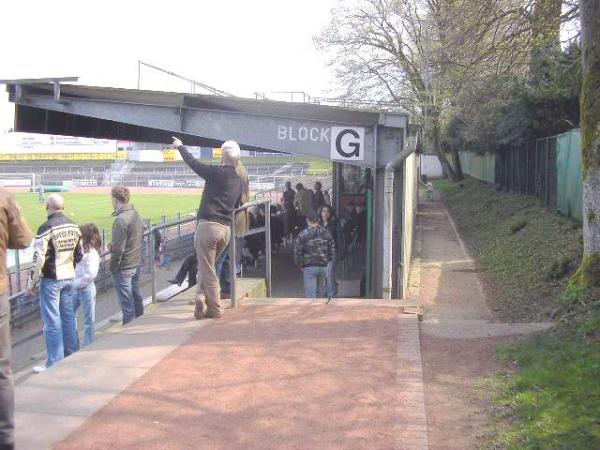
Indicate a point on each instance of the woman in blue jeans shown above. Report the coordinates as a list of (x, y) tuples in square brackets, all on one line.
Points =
[(331, 223), (85, 274)]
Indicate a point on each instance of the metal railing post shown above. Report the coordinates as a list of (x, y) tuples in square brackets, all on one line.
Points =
[(268, 246), (152, 268), (547, 169), (179, 233), (18, 272), (163, 238), (233, 281), (149, 242)]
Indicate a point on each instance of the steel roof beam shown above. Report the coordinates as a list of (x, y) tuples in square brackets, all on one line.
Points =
[(284, 134), (55, 81)]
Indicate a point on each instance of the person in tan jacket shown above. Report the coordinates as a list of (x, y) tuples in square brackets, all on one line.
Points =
[(304, 203), (14, 234)]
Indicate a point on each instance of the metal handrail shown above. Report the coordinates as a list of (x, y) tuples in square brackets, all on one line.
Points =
[(151, 249), (29, 306), (148, 233), (232, 255), (232, 247)]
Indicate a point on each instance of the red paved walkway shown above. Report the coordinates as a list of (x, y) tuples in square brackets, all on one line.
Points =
[(291, 375)]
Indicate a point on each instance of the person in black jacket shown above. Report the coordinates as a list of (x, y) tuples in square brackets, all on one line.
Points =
[(189, 270), (222, 194), (320, 198), (289, 211), (330, 222), (313, 251), (361, 223)]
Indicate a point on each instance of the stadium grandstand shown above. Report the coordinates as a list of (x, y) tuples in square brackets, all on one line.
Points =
[(63, 163), (29, 159)]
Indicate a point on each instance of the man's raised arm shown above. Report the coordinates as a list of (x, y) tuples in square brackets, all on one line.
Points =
[(201, 169)]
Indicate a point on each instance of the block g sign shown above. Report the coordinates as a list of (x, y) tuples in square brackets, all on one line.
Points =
[(347, 144)]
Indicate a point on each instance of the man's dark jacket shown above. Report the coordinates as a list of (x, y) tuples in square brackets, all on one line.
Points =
[(314, 247), (222, 191), (335, 228), (127, 237), (288, 199)]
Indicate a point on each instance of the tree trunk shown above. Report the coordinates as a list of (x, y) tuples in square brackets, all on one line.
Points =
[(456, 164), (589, 272), (437, 146)]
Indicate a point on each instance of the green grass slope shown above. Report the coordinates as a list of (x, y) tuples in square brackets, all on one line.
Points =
[(547, 394), (526, 253)]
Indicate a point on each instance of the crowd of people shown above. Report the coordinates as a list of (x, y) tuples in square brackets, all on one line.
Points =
[(322, 239), (303, 216), (67, 256), (66, 260)]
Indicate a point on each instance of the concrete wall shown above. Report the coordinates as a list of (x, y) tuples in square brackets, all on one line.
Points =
[(390, 141), (409, 212), (404, 206), (404, 214), (431, 166)]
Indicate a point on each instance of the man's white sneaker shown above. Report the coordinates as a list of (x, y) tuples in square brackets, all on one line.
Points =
[(39, 369)]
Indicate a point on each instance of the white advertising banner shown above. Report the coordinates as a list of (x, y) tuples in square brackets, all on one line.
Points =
[(189, 183), (255, 186), (15, 182), (161, 183), (91, 182), (24, 143)]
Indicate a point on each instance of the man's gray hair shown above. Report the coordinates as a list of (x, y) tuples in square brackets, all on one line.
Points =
[(231, 152), (55, 202)]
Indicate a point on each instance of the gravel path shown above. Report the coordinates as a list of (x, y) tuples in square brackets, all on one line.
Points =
[(458, 334)]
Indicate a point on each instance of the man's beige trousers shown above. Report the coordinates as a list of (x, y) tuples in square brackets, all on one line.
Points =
[(210, 240)]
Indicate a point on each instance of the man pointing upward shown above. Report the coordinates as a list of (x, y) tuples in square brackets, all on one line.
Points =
[(222, 193)]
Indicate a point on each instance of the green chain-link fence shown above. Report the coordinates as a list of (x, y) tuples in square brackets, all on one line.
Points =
[(548, 168), (570, 177)]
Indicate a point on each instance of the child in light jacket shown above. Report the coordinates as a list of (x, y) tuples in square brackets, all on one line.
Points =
[(85, 274)]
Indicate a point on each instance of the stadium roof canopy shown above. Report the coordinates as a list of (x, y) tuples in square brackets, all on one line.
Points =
[(363, 137)]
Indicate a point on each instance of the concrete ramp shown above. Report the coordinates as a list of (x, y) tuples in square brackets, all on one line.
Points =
[(272, 374)]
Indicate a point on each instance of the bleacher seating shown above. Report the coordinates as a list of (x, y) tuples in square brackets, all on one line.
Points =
[(138, 173), (54, 166)]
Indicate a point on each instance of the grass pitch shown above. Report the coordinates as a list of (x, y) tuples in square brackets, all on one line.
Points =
[(97, 208)]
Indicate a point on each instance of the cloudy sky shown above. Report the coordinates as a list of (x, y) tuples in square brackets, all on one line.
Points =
[(238, 46)]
